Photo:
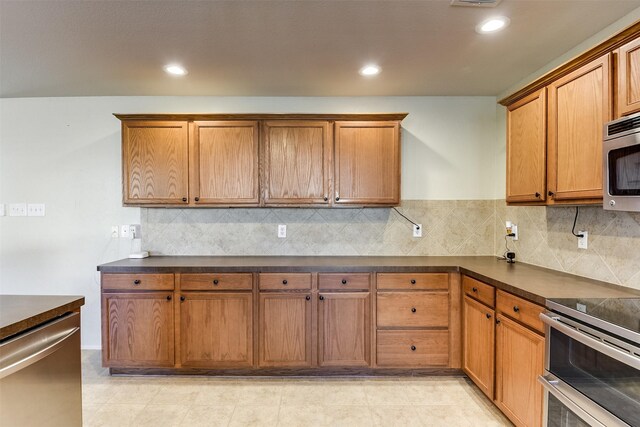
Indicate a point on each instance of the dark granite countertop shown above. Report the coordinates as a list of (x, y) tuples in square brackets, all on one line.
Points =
[(531, 282), (21, 312)]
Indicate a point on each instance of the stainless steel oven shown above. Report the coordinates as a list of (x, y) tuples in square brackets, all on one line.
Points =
[(621, 164), (592, 369)]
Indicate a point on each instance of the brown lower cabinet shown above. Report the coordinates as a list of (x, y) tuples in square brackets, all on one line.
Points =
[(479, 340), (216, 329), (285, 329)]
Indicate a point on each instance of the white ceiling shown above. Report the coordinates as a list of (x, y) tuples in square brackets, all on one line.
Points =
[(284, 48)]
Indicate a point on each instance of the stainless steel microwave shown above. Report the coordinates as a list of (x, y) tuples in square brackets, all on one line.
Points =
[(621, 164)]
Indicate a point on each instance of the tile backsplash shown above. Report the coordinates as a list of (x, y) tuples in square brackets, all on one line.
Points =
[(450, 227), (545, 239)]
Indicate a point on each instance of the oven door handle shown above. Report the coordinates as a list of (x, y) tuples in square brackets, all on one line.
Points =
[(578, 404), (619, 355)]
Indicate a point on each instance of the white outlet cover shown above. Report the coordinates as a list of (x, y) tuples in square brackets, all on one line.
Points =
[(282, 231), (18, 209), (417, 230), (583, 242), (125, 231), (115, 231)]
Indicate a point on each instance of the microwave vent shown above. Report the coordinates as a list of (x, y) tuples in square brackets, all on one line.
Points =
[(625, 125), (475, 3)]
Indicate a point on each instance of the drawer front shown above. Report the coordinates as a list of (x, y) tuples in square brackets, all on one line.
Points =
[(521, 310), (347, 282), (285, 281), (412, 348), (417, 281), (480, 291), (216, 282), (412, 309), (132, 282)]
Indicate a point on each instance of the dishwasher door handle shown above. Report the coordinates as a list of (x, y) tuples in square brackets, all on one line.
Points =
[(36, 356)]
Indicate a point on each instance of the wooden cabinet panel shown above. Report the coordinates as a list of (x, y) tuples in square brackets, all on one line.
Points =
[(224, 163), (216, 329), (412, 309), (344, 282), (412, 348), (137, 282), (137, 329), (579, 106), (155, 162), (284, 281), (367, 163), (344, 329), (527, 148), (285, 329), (519, 362), (297, 162), (628, 78), (478, 344), (521, 310), (415, 281), (216, 281), (484, 293)]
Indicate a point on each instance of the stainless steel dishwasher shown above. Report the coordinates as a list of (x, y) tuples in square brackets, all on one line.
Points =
[(40, 375)]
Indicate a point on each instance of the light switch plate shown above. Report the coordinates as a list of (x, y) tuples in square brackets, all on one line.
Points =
[(18, 209), (3, 209), (125, 231), (115, 231), (35, 209)]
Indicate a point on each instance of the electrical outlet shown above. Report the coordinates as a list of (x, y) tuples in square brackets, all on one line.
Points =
[(18, 209), (417, 230), (125, 232), (115, 232), (35, 209), (135, 232), (282, 231), (514, 230), (583, 242)]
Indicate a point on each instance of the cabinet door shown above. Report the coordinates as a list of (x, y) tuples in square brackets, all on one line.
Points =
[(285, 329), (344, 329), (224, 159), (297, 162), (629, 78), (519, 363), (478, 344), (579, 106), (367, 163), (216, 329), (155, 162), (137, 329), (527, 149)]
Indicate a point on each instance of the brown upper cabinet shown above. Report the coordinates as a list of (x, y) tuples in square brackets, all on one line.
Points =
[(527, 148), (155, 159), (224, 163), (579, 107), (250, 160), (367, 163), (297, 161), (628, 78)]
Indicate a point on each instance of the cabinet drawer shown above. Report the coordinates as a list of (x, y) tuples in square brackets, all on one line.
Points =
[(116, 281), (521, 310), (412, 309), (482, 292), (337, 281), (413, 348), (419, 281), (285, 281), (216, 282)]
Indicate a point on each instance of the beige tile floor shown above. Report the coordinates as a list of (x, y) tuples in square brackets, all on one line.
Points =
[(202, 401)]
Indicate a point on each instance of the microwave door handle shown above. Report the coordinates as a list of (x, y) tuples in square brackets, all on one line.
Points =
[(608, 350), (577, 403)]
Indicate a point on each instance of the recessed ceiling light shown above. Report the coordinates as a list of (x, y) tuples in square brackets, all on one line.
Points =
[(492, 25), (175, 69), (370, 70)]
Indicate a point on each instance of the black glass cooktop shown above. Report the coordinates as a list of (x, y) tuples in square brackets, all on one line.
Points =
[(622, 312)]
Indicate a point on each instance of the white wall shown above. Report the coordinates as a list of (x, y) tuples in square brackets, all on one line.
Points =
[(65, 152)]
